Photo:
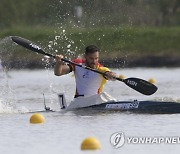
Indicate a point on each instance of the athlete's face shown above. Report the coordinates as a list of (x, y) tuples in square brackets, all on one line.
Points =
[(92, 59)]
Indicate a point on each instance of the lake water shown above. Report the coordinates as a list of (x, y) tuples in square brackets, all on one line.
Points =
[(63, 132)]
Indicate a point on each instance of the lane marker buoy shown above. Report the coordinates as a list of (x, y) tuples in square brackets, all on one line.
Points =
[(122, 76), (91, 143), (37, 118), (152, 80)]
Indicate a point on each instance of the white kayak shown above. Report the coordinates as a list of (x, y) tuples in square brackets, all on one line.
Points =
[(105, 102), (87, 101)]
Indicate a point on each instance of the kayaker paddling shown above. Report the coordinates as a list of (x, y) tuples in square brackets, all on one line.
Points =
[(90, 77), (88, 83)]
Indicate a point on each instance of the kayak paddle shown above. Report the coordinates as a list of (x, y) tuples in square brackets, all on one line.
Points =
[(137, 84)]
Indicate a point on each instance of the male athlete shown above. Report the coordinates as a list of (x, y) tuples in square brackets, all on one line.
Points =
[(88, 83)]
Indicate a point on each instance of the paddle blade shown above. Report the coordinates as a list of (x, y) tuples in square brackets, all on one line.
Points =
[(29, 45), (141, 86)]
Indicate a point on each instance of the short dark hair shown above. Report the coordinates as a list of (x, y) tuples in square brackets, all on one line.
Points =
[(91, 49)]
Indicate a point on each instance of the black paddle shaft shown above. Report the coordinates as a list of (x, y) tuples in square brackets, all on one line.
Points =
[(137, 84)]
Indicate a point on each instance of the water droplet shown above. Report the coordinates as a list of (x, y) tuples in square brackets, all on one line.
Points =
[(47, 57), (69, 45), (57, 37)]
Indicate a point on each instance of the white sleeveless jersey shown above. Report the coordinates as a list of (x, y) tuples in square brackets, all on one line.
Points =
[(88, 82)]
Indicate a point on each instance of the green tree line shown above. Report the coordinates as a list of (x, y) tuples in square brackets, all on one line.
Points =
[(95, 13)]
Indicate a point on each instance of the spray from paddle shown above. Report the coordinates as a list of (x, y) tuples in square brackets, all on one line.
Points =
[(8, 98)]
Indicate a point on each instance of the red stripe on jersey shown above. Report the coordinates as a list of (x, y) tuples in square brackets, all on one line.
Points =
[(82, 61), (79, 61)]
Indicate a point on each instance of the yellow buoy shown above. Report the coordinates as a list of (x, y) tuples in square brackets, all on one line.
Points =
[(37, 118), (91, 143), (153, 80), (122, 76)]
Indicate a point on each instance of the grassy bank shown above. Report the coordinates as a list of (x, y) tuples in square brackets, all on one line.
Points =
[(115, 43)]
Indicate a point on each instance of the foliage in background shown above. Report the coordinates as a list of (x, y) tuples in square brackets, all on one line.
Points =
[(114, 42), (95, 13), (121, 28)]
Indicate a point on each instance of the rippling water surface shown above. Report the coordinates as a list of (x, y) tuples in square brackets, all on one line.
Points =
[(22, 91)]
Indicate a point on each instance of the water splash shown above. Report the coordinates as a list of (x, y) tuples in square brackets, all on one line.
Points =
[(7, 52), (7, 96), (62, 44), (47, 62)]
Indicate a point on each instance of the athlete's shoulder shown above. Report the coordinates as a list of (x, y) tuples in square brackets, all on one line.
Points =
[(79, 60), (103, 68)]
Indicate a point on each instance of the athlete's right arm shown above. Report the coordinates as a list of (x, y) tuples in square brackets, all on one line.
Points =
[(60, 67)]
